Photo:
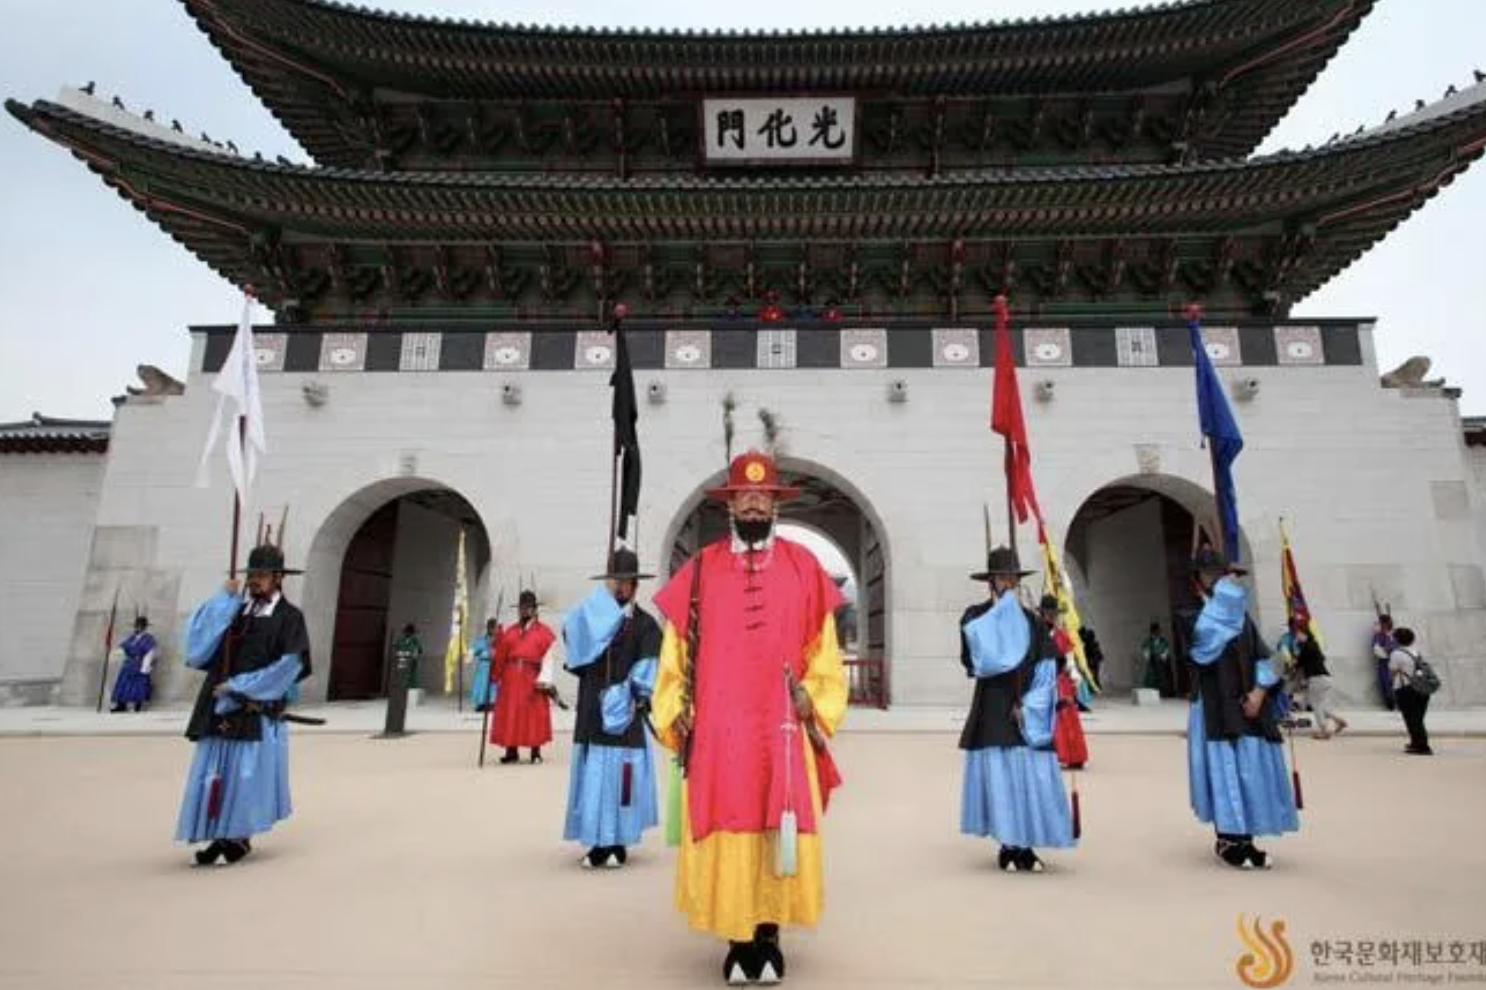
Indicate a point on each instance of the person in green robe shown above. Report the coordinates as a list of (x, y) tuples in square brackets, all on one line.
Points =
[(1155, 653)]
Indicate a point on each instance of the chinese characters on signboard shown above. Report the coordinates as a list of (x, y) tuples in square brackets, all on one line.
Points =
[(765, 131)]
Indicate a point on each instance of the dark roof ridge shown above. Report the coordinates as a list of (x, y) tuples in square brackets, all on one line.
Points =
[(1151, 8), (27, 114)]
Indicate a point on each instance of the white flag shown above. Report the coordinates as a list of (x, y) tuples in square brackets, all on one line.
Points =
[(237, 382)]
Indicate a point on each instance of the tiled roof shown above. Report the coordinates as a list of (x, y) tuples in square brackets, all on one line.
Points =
[(1344, 197), (321, 67), (47, 435)]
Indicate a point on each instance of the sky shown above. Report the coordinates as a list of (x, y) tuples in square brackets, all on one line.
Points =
[(91, 288)]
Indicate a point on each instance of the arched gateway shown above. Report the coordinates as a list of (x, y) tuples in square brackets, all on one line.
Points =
[(386, 557), (1127, 553)]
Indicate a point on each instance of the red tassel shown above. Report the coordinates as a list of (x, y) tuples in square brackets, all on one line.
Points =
[(1078, 818), (627, 777), (1299, 797), (213, 798)]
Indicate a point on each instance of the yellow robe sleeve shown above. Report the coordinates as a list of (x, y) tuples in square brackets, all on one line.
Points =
[(825, 677), (670, 689)]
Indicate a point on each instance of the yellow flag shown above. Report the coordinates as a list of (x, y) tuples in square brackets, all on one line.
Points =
[(1055, 584), (454, 652)]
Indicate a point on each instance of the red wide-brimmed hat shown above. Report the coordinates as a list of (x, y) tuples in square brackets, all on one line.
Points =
[(753, 472)]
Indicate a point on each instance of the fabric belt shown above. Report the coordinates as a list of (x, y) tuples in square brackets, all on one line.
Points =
[(520, 661)]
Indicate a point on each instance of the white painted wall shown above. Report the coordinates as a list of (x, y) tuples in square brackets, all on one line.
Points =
[(47, 506), (1371, 482)]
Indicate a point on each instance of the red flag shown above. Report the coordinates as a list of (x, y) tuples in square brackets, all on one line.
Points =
[(1006, 419), (1296, 608)]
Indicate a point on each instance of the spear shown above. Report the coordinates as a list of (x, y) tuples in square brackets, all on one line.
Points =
[(108, 644)]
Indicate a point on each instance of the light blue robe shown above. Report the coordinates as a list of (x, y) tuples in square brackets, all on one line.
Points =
[(596, 814), (482, 692), (1240, 786), (1015, 794), (255, 775)]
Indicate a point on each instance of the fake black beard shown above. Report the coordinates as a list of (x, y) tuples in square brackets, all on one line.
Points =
[(753, 531)]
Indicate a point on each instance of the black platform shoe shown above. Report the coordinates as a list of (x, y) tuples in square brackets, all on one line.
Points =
[(619, 854), (511, 756), (593, 859), (1232, 852), (769, 956), (208, 855), (233, 850), (536, 756), (740, 967), (1255, 858), (1027, 861), (1007, 860)]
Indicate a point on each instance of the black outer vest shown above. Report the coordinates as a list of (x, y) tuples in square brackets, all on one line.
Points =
[(256, 643), (992, 720), (637, 639), (1221, 686)]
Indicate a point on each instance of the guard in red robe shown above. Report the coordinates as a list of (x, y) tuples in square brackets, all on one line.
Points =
[(523, 714), (1068, 729), (751, 685)]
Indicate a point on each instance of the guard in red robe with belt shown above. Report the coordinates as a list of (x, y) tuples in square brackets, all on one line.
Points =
[(1068, 728), (751, 685), (523, 714)]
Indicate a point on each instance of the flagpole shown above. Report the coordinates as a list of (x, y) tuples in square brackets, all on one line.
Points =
[(616, 326), (108, 646)]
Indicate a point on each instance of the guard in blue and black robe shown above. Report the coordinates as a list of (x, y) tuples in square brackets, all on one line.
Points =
[(613, 647), (238, 784), (1236, 759), (133, 687), (1013, 791)]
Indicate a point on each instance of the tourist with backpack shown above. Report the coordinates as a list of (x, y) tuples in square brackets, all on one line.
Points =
[(1414, 680)]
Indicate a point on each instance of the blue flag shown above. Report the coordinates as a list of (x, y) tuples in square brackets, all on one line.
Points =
[(1223, 438)]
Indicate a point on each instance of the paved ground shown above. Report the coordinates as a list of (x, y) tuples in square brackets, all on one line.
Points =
[(405, 867)]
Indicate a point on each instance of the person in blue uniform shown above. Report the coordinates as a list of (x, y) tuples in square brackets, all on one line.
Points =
[(1238, 780), (482, 689), (133, 687), (253, 648), (1013, 791), (613, 647)]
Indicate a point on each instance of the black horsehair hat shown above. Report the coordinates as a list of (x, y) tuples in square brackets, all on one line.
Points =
[(267, 557), (1001, 562), (624, 566)]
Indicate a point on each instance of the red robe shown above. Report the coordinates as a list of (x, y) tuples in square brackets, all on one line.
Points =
[(752, 627), (523, 715), (1068, 733)]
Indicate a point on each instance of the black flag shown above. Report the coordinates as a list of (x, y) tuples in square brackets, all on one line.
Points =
[(626, 435)]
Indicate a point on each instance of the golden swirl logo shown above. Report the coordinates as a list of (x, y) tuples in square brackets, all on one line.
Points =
[(1268, 961), (754, 472)]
